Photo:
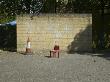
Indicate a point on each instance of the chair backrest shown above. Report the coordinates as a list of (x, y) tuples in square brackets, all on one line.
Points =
[(56, 47)]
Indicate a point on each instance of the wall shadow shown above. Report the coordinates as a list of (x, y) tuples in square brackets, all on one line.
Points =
[(79, 44), (101, 35), (101, 32), (8, 40)]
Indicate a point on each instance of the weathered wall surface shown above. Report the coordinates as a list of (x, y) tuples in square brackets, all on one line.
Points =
[(71, 32)]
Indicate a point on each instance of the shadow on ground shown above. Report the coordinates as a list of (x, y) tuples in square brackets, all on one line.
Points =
[(102, 53)]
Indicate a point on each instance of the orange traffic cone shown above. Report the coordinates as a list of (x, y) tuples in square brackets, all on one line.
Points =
[(28, 47)]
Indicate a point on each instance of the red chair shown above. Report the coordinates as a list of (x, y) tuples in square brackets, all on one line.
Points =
[(55, 51)]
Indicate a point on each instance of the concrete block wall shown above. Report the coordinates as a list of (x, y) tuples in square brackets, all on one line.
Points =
[(73, 32)]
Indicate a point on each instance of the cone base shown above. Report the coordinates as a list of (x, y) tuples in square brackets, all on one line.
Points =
[(28, 51), (28, 54)]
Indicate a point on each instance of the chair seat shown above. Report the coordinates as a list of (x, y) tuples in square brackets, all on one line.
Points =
[(55, 51)]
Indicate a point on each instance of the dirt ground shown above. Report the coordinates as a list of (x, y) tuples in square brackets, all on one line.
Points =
[(85, 67)]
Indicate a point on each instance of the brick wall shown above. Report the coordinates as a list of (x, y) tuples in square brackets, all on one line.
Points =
[(71, 32)]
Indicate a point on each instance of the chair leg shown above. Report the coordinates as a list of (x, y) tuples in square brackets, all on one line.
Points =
[(50, 54), (58, 54), (54, 54)]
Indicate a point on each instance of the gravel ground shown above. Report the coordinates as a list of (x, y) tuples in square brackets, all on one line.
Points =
[(16, 67)]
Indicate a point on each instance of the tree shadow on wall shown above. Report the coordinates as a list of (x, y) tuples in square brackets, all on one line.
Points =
[(82, 42)]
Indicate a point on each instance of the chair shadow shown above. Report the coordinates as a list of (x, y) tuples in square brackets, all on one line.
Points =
[(48, 56)]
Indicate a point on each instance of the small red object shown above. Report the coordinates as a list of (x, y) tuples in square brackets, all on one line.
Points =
[(55, 51)]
